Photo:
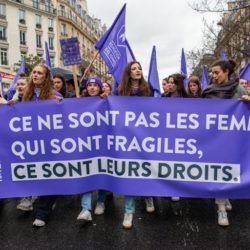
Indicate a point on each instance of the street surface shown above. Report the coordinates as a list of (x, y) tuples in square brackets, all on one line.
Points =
[(187, 224)]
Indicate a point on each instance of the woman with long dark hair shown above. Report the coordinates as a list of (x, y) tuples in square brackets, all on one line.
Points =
[(59, 85), (165, 87), (194, 87), (133, 84), (224, 86), (176, 89), (176, 86)]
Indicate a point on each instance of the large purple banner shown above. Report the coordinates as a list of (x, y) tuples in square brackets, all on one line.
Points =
[(129, 145)]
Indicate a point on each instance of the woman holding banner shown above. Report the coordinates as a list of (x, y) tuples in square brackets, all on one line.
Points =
[(93, 88), (176, 89), (224, 87), (133, 84), (107, 88), (176, 86), (26, 203), (194, 87), (40, 88), (165, 87)]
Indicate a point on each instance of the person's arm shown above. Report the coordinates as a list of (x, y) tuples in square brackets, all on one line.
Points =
[(3, 101), (245, 98)]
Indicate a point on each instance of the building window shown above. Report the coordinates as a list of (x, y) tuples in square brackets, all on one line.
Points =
[(51, 43), (52, 61), (48, 6), (51, 22), (38, 41), (2, 11), (51, 25), (22, 37), (38, 21), (3, 33), (63, 29), (3, 56), (62, 10), (36, 4), (22, 16), (23, 54)]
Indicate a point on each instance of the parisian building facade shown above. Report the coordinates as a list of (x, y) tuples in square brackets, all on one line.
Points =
[(25, 26), (234, 36)]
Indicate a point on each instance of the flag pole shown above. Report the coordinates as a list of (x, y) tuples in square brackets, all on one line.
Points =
[(75, 81), (87, 69)]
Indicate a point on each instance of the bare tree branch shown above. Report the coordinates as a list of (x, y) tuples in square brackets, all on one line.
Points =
[(217, 5)]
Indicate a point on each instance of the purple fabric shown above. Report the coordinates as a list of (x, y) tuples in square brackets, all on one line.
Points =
[(36, 94), (70, 51), (153, 76), (135, 146)]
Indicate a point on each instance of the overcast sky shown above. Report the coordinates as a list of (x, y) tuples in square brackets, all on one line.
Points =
[(170, 25)]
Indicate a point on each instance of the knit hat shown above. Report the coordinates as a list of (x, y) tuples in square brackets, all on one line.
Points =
[(94, 79)]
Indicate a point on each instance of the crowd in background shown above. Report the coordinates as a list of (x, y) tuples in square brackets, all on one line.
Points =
[(223, 84)]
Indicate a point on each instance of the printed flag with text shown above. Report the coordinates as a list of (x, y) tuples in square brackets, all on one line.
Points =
[(114, 48)]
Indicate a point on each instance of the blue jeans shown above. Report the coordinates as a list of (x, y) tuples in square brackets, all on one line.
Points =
[(129, 204), (87, 198)]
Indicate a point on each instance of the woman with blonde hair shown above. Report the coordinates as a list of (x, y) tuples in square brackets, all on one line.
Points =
[(40, 87)]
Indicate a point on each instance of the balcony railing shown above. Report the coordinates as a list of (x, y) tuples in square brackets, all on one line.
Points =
[(2, 16), (38, 26), (79, 22), (37, 4), (3, 38), (4, 62), (22, 21)]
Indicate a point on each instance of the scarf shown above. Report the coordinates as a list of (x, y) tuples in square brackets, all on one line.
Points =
[(222, 91)]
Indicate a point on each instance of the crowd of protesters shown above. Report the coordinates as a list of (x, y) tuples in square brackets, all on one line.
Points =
[(42, 86)]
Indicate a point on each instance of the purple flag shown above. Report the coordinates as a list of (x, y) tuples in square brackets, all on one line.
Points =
[(1, 86), (153, 76), (47, 56), (204, 78), (114, 47), (245, 73), (223, 55), (11, 91), (184, 67), (118, 73), (129, 53)]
